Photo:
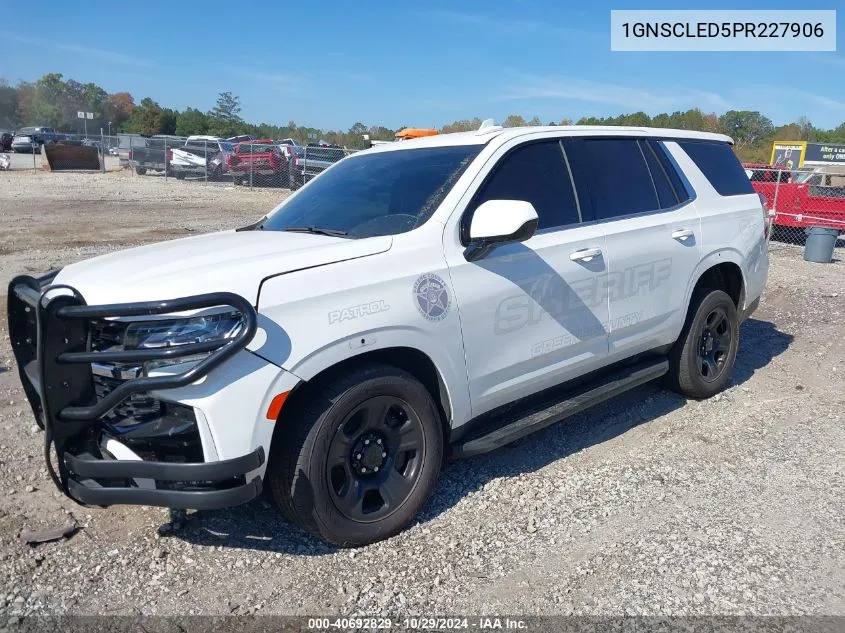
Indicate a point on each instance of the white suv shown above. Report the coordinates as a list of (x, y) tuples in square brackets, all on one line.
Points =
[(435, 297)]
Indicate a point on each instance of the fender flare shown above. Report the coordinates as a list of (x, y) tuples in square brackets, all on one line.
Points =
[(452, 375), (721, 256)]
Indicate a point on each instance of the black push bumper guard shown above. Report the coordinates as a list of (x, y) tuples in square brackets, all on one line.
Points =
[(51, 341)]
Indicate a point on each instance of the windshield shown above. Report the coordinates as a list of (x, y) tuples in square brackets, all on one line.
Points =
[(382, 193), (804, 177)]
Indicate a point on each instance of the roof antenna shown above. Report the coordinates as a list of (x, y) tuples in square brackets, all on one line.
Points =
[(487, 126)]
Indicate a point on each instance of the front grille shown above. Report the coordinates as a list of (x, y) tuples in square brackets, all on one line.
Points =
[(108, 335), (138, 406), (154, 430)]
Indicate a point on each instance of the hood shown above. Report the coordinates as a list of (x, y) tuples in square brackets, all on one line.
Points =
[(231, 261)]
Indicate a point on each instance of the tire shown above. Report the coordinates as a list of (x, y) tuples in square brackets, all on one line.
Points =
[(702, 359), (180, 175), (355, 418), (140, 170)]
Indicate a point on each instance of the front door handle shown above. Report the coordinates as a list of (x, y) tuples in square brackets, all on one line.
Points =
[(682, 234), (585, 254)]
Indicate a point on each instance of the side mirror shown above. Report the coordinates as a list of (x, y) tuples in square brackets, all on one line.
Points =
[(499, 222)]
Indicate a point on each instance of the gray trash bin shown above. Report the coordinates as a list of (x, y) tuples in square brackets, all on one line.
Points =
[(820, 243)]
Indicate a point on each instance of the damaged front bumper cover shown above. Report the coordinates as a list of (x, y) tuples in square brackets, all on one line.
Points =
[(50, 332)]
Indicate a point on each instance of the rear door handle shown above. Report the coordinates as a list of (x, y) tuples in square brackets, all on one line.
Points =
[(682, 234), (585, 254)]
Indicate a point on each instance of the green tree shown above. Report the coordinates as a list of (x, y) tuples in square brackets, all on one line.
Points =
[(224, 119), (9, 108), (746, 127), (358, 129), (638, 119), (167, 121), (514, 120), (47, 101), (791, 132), (661, 120), (465, 125), (381, 133), (837, 134), (191, 121), (145, 119), (591, 120)]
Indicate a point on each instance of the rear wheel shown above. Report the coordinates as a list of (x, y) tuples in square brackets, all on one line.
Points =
[(702, 359), (140, 170), (359, 458)]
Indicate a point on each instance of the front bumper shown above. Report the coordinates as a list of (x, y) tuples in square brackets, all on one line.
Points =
[(50, 328)]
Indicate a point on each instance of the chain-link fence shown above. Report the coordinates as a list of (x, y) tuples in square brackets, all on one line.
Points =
[(248, 163), (799, 201), (245, 162), (34, 149)]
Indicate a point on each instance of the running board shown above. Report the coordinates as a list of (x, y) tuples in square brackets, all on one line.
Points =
[(604, 388)]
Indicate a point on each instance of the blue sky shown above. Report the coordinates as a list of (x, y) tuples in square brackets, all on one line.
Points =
[(328, 63)]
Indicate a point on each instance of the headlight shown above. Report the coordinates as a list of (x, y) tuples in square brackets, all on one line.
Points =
[(175, 332)]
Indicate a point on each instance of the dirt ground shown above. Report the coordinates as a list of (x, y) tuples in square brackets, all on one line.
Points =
[(649, 504), (49, 220)]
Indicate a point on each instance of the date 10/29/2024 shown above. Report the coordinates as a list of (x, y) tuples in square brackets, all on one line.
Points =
[(418, 623)]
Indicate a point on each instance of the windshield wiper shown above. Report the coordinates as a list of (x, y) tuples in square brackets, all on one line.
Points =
[(316, 230)]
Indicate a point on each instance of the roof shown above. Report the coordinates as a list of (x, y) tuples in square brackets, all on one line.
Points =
[(484, 135)]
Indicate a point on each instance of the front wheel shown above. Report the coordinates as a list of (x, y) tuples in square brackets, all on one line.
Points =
[(702, 359), (357, 460)]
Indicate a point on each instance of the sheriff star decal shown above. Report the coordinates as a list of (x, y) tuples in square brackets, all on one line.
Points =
[(431, 296)]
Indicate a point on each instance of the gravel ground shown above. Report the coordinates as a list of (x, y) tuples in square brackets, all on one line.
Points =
[(52, 219), (649, 504)]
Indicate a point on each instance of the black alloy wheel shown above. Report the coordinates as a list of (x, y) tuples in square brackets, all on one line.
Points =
[(375, 458)]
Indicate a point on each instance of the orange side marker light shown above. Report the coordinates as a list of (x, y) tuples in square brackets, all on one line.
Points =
[(275, 407)]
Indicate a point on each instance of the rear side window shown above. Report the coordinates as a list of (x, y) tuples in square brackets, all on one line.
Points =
[(616, 175), (720, 165), (667, 184), (670, 169), (537, 174)]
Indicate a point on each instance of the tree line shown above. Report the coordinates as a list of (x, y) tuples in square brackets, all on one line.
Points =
[(54, 101)]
